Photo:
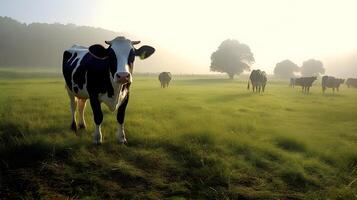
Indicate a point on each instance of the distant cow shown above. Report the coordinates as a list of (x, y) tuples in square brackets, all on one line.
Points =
[(165, 78), (305, 83), (292, 82), (331, 82), (258, 79), (351, 82), (102, 75)]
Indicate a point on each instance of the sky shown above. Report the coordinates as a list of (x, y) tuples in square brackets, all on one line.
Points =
[(274, 30)]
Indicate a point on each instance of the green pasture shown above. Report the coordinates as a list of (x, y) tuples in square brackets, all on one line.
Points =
[(204, 137)]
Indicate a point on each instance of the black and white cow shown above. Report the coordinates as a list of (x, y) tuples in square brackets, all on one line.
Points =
[(331, 82), (258, 79), (101, 75), (351, 82), (305, 83), (165, 78)]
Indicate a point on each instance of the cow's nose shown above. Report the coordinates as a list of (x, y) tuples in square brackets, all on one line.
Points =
[(123, 77)]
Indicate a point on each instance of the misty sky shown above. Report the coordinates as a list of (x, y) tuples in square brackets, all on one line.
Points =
[(275, 30)]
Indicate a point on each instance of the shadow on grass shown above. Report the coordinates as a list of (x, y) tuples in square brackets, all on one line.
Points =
[(333, 95), (231, 97), (204, 81), (290, 144)]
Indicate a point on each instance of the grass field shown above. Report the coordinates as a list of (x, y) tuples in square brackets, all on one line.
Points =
[(201, 138)]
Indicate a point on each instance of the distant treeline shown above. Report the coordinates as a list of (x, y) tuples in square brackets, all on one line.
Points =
[(41, 44)]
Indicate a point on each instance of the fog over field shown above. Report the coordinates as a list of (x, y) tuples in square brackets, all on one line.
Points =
[(178, 99), (186, 33)]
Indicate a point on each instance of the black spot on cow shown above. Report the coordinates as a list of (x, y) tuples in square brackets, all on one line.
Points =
[(67, 69), (96, 70), (74, 56), (99, 72), (131, 57)]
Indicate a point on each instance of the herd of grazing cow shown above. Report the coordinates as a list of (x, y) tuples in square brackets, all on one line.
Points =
[(104, 75), (326, 82)]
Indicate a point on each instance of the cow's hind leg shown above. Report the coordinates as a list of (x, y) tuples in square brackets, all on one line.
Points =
[(120, 118), (98, 118), (73, 102), (81, 108)]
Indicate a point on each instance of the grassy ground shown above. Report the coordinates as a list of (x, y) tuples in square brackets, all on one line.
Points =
[(202, 138)]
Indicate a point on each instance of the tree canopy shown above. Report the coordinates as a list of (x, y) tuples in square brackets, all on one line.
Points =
[(286, 69), (231, 57), (312, 67)]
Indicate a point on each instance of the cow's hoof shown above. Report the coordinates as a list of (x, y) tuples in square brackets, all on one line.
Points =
[(97, 142), (74, 127), (97, 139), (123, 141), (82, 126)]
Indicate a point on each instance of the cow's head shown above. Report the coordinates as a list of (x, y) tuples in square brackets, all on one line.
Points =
[(124, 53)]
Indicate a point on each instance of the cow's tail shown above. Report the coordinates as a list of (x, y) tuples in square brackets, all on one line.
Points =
[(248, 86)]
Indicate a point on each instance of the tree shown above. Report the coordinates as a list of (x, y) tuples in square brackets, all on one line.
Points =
[(312, 67), (231, 57), (286, 69)]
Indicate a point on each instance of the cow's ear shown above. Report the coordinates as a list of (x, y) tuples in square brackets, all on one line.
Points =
[(144, 51), (99, 52)]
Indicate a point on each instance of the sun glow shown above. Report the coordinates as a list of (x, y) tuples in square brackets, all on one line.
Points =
[(275, 30)]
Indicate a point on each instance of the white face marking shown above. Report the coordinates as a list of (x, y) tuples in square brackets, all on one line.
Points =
[(122, 48)]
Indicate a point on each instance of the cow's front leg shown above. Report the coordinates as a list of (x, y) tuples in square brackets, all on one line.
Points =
[(81, 108), (120, 118), (73, 100), (98, 118)]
